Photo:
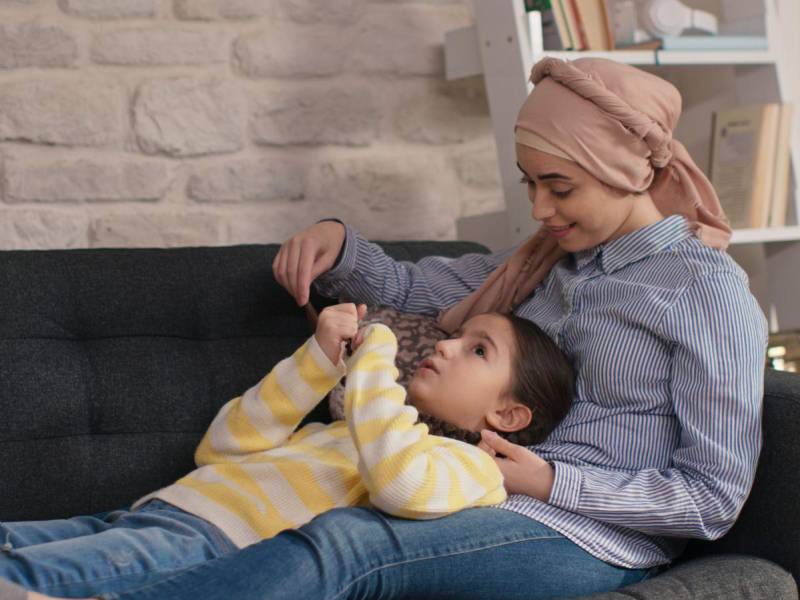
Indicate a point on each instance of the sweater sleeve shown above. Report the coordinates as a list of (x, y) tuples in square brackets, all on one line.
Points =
[(267, 414), (365, 273), (719, 337), (408, 472)]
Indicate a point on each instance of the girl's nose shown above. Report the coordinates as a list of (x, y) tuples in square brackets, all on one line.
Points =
[(445, 347)]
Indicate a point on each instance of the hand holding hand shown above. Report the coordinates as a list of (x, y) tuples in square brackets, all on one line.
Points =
[(305, 256), (336, 325), (523, 471)]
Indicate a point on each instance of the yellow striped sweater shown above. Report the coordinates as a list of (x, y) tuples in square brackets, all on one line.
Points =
[(256, 476)]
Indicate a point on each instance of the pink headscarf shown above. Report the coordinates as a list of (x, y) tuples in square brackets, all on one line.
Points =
[(616, 122)]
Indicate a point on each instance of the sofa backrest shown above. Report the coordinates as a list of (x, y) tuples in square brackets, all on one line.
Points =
[(114, 361)]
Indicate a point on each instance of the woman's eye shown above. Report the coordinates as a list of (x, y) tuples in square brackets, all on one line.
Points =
[(480, 351), (563, 194)]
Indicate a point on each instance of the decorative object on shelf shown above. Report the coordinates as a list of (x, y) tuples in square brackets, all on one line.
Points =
[(672, 17), (748, 151), (634, 22)]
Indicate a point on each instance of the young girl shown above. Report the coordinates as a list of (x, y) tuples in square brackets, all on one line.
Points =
[(256, 476)]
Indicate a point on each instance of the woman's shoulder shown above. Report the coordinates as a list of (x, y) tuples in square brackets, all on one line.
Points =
[(701, 262)]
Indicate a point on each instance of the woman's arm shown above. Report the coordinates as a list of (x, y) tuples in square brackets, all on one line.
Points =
[(365, 273), (718, 335), (267, 414), (408, 472)]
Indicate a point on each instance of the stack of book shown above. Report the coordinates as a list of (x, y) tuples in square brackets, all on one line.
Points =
[(576, 24), (749, 163)]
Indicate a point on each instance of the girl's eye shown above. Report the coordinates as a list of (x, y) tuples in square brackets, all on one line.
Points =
[(480, 351), (563, 194)]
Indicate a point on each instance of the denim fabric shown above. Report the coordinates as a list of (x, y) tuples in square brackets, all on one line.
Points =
[(84, 556), (479, 554)]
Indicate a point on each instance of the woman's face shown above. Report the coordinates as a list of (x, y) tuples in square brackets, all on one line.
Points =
[(578, 210)]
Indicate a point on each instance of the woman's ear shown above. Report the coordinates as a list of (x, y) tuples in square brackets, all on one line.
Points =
[(512, 416)]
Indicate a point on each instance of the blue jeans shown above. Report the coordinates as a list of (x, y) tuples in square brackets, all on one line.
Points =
[(85, 556), (480, 554)]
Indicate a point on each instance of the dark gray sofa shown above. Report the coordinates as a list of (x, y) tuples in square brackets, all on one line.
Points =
[(114, 361)]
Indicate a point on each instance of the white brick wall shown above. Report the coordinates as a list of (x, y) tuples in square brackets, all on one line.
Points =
[(207, 122)]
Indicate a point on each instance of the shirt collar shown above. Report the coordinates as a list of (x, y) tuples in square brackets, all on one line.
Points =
[(636, 245)]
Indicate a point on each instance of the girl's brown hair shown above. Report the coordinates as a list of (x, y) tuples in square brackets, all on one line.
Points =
[(542, 379)]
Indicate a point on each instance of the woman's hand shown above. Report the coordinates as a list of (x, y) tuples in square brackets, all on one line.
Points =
[(305, 256), (523, 471), (336, 325)]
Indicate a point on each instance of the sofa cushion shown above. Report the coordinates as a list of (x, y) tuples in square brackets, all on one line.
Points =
[(713, 578)]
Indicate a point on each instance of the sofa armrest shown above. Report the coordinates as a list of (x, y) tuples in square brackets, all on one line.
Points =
[(723, 577), (769, 523)]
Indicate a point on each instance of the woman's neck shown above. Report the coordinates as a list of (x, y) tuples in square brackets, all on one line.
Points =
[(643, 213)]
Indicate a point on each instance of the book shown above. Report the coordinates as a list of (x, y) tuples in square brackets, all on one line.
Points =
[(571, 18), (780, 178), (560, 18), (595, 23), (714, 42), (576, 23), (551, 40), (742, 162), (535, 32)]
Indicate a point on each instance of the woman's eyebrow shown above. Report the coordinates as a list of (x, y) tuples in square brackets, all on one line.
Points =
[(546, 175)]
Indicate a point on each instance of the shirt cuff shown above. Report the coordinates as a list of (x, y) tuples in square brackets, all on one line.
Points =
[(566, 492), (346, 261)]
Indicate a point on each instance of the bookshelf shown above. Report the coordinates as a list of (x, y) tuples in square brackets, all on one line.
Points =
[(497, 48)]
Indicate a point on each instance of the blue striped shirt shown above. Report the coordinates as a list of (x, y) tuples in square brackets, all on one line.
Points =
[(663, 437)]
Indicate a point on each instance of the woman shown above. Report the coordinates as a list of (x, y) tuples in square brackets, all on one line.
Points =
[(627, 275)]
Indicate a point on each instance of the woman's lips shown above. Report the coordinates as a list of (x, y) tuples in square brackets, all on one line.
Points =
[(560, 232)]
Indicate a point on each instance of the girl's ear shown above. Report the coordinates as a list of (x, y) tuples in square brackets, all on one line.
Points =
[(510, 417)]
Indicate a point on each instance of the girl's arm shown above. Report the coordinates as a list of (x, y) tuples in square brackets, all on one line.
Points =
[(365, 273), (408, 472), (719, 338), (267, 414)]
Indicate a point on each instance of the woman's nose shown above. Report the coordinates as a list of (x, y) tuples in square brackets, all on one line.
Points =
[(543, 207)]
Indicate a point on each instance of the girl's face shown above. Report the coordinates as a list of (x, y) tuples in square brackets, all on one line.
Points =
[(576, 208), (468, 376)]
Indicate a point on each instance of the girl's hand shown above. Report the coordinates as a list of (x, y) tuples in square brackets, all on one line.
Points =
[(523, 471), (305, 256), (336, 325)]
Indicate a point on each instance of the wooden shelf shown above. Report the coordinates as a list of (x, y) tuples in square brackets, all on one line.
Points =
[(761, 236), (462, 56)]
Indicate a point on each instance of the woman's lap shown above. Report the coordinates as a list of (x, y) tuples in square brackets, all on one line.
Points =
[(362, 553)]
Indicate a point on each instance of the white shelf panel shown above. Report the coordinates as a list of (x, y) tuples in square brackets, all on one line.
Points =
[(771, 234), (717, 57), (672, 57)]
